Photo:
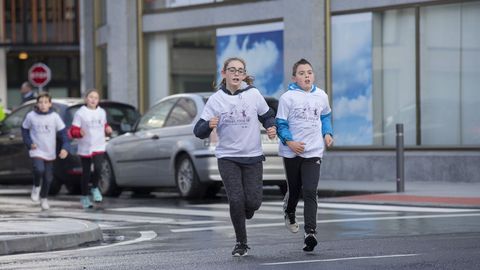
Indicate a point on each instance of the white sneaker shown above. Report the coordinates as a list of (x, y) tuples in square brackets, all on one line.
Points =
[(44, 204), (291, 222), (35, 194)]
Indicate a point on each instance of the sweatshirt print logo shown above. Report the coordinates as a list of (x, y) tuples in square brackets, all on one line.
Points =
[(42, 128), (307, 113), (94, 123), (236, 116)]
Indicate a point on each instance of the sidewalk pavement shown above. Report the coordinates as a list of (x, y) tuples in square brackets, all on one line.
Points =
[(431, 194), (23, 235)]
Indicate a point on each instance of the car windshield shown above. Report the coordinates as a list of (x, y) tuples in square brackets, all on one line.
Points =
[(120, 117)]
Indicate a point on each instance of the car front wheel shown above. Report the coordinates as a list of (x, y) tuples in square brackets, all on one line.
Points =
[(106, 183), (188, 183)]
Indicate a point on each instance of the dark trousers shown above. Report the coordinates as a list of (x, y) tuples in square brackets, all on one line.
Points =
[(87, 175), (42, 174), (302, 176), (244, 188)]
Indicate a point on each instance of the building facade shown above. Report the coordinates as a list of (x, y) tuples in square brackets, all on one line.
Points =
[(384, 62), (39, 31)]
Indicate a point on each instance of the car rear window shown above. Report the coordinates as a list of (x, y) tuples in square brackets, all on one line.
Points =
[(117, 115)]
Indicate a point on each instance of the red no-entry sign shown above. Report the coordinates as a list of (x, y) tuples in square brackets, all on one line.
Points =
[(39, 75)]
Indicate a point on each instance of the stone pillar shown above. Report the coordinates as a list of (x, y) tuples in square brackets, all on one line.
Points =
[(87, 45), (158, 67), (122, 51), (304, 37), (3, 77)]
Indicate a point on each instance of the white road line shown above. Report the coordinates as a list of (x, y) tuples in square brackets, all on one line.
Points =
[(131, 218), (144, 236), (386, 207), (344, 259), (279, 209), (328, 221), (188, 212)]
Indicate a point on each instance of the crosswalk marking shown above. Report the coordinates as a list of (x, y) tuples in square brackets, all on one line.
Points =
[(189, 212), (269, 225), (216, 216), (132, 218), (279, 210), (385, 207)]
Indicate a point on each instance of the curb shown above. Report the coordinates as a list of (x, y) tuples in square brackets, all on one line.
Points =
[(83, 232)]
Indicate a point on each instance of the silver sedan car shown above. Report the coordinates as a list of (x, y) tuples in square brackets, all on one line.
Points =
[(161, 151)]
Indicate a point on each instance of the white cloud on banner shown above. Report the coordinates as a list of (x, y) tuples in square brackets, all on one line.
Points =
[(361, 106), (260, 58), (362, 135), (352, 33)]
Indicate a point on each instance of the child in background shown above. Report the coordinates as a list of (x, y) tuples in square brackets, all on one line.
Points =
[(39, 132), (304, 128), (234, 110), (90, 127)]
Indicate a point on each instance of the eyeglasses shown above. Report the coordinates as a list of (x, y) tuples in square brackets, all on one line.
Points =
[(233, 70)]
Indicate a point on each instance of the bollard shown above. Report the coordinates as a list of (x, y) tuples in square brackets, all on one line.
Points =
[(400, 159)]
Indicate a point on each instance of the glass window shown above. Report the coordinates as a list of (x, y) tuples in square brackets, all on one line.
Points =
[(352, 79), (470, 79), (450, 74), (183, 113), (15, 120), (394, 88), (375, 78), (181, 62), (155, 117)]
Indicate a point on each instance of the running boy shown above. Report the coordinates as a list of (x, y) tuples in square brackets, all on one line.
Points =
[(233, 110), (304, 128), (39, 131), (90, 126)]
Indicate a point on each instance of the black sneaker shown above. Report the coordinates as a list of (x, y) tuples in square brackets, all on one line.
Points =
[(310, 241), (240, 249), (291, 222), (249, 213)]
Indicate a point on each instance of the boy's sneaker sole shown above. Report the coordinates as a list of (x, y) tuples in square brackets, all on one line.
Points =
[(240, 255), (240, 250), (310, 243)]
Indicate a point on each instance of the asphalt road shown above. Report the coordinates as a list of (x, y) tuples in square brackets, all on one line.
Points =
[(164, 232)]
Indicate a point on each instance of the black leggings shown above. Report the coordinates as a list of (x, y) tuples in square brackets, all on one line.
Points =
[(302, 176), (87, 171), (244, 187)]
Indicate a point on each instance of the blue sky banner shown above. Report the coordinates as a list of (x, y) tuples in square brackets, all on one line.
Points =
[(261, 46), (352, 79)]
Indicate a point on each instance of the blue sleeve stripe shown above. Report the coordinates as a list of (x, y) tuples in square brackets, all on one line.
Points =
[(326, 124), (283, 132)]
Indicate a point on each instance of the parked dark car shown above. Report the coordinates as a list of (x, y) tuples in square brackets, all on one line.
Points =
[(161, 152), (15, 164)]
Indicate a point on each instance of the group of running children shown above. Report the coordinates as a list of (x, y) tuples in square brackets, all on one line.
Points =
[(302, 124)]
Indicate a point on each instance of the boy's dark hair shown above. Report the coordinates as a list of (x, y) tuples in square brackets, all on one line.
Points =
[(43, 95), (302, 61)]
